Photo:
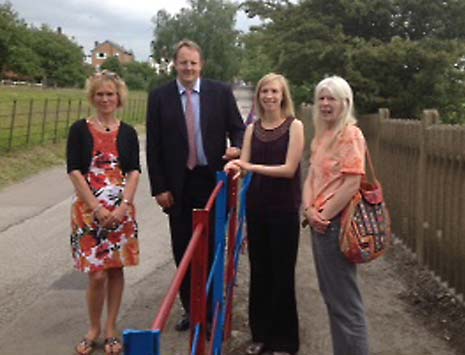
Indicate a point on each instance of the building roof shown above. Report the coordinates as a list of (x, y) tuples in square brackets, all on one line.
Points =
[(113, 44)]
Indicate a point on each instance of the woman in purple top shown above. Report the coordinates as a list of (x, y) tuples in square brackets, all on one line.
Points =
[(272, 150)]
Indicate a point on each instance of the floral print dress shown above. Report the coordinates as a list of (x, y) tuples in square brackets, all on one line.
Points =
[(94, 247)]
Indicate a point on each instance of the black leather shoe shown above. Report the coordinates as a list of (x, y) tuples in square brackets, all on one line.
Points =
[(183, 324)]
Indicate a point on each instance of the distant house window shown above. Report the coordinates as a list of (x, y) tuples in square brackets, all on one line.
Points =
[(101, 55)]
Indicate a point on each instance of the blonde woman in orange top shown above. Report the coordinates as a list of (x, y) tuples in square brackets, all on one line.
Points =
[(337, 165), (103, 166)]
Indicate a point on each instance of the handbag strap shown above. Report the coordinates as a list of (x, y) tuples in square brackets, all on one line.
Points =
[(370, 164)]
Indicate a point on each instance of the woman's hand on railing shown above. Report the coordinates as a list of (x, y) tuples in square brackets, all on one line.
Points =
[(233, 167)]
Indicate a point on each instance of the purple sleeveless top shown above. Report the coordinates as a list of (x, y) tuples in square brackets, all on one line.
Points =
[(272, 194)]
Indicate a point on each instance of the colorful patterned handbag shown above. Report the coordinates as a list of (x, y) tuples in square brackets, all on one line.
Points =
[(366, 224)]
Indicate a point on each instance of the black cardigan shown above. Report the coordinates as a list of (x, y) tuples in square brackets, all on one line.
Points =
[(80, 146)]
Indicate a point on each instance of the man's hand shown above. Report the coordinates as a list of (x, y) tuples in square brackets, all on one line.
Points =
[(165, 199), (232, 153)]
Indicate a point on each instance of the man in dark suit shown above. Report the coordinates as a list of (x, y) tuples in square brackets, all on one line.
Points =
[(188, 123)]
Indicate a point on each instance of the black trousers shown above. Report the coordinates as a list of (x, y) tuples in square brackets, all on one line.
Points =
[(200, 182), (273, 242)]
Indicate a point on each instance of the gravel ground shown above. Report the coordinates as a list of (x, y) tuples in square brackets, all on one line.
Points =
[(409, 313)]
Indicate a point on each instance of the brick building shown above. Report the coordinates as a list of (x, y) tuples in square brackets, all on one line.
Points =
[(104, 50)]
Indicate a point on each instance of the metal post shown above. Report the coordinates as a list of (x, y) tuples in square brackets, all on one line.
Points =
[(12, 125), (29, 122), (68, 114), (199, 265), (57, 116), (231, 247), (220, 236), (79, 109), (44, 118)]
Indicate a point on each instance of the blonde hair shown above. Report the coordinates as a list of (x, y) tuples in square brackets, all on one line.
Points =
[(94, 82), (287, 105), (341, 90)]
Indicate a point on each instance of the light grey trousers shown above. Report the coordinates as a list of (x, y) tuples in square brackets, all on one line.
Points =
[(338, 285)]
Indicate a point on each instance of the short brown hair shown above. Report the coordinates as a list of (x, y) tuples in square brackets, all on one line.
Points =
[(189, 44)]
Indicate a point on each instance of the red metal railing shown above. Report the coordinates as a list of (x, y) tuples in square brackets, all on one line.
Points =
[(197, 258)]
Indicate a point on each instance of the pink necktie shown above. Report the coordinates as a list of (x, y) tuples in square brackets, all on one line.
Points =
[(190, 122)]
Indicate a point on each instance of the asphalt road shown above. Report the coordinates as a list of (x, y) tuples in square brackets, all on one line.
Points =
[(42, 307)]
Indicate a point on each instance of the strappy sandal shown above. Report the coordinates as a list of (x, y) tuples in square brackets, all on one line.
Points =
[(255, 349), (85, 347), (110, 343)]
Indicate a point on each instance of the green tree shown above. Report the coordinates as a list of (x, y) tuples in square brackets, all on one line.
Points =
[(161, 79), (16, 54), (255, 61), (210, 23), (417, 19), (61, 58), (138, 75), (403, 54), (8, 24), (22, 59), (38, 53), (114, 65)]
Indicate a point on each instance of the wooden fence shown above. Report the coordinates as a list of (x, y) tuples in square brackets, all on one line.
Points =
[(34, 121), (421, 164)]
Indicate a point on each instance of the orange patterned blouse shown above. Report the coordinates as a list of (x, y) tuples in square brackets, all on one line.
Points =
[(328, 166)]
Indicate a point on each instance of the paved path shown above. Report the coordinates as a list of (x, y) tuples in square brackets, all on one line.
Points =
[(42, 308), (42, 300)]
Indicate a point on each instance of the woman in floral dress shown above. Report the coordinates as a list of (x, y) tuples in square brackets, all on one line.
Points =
[(103, 165)]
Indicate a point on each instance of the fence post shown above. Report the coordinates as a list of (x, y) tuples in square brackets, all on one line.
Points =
[(57, 116), (383, 114), (29, 121), (428, 118), (68, 114), (79, 109), (43, 121), (141, 109), (12, 125)]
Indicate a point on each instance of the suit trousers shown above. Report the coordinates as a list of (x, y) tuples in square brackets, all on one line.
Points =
[(273, 240), (199, 184), (337, 279)]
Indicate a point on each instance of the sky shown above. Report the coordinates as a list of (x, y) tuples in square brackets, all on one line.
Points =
[(125, 22)]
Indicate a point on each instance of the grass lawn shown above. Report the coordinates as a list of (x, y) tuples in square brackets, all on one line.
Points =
[(27, 161), (36, 138), (30, 116)]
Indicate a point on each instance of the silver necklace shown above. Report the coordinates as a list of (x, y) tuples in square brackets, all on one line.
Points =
[(106, 128)]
